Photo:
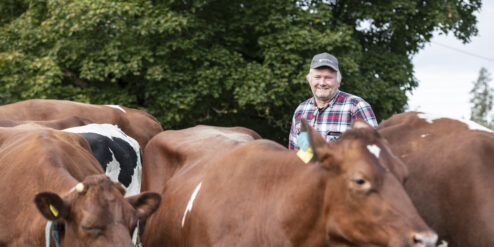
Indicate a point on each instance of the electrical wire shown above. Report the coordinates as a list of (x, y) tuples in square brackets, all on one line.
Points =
[(464, 52)]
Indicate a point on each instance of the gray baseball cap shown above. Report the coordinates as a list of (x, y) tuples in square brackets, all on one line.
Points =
[(324, 60)]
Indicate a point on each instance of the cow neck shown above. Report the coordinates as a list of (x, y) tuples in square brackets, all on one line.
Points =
[(309, 188), (332, 189)]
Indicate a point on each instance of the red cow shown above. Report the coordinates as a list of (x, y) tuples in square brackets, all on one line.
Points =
[(451, 179), (45, 165), (138, 124), (260, 194)]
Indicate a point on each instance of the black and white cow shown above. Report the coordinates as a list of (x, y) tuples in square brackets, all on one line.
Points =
[(119, 155)]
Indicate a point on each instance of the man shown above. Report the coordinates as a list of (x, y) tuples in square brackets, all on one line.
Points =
[(330, 111)]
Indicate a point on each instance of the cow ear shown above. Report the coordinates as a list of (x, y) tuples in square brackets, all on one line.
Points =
[(120, 187), (51, 206), (145, 203), (321, 149)]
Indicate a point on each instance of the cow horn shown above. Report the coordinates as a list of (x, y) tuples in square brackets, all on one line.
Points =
[(79, 187)]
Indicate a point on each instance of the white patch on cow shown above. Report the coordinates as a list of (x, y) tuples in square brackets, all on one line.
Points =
[(191, 201), (135, 185), (113, 168), (116, 107), (470, 124), (424, 135), (111, 131), (374, 149), (108, 130)]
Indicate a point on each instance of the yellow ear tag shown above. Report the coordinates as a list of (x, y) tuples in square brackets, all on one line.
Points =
[(306, 155), (53, 210)]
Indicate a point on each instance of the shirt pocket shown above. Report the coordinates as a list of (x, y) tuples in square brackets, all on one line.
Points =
[(333, 135)]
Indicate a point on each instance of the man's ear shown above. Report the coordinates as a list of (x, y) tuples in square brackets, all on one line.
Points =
[(323, 154), (145, 204), (51, 206)]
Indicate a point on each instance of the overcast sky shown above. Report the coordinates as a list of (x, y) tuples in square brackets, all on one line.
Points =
[(446, 69)]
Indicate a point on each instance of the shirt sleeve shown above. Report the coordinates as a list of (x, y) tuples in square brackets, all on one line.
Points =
[(364, 111), (292, 138)]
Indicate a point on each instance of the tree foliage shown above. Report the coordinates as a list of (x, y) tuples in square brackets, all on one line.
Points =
[(221, 62), (482, 97)]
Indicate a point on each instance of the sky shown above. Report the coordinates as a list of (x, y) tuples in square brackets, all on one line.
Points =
[(446, 69)]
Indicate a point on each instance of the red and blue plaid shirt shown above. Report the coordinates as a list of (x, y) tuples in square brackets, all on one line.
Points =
[(332, 120)]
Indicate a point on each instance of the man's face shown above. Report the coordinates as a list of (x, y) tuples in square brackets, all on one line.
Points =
[(323, 84)]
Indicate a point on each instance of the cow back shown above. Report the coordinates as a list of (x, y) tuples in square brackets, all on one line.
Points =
[(58, 124), (135, 123), (170, 150)]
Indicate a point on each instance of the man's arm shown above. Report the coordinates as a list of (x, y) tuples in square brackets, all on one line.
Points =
[(292, 138), (364, 111)]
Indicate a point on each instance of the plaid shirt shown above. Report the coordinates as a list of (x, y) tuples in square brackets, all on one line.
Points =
[(332, 120)]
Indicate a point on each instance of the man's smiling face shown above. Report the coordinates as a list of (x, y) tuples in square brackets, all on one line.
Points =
[(323, 84)]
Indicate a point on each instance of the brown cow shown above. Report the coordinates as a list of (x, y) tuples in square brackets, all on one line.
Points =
[(203, 139), (135, 123), (59, 124), (44, 165), (451, 179), (261, 194)]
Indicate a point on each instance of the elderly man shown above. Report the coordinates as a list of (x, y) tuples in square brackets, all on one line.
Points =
[(330, 111)]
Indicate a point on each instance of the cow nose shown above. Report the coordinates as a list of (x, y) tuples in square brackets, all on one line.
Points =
[(424, 239)]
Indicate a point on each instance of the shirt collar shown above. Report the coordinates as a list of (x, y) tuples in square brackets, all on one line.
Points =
[(331, 103)]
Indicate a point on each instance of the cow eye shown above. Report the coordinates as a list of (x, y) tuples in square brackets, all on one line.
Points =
[(360, 184), (95, 231), (359, 181)]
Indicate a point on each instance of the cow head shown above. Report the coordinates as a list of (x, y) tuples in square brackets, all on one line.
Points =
[(95, 213), (369, 206)]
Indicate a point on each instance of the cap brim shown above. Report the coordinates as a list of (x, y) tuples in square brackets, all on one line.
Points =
[(324, 65)]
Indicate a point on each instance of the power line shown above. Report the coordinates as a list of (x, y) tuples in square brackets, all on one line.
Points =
[(464, 52)]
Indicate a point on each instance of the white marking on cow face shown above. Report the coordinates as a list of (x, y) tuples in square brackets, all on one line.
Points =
[(424, 135), (470, 124), (116, 107), (191, 201), (374, 149)]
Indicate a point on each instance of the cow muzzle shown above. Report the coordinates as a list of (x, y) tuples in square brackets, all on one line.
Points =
[(423, 239)]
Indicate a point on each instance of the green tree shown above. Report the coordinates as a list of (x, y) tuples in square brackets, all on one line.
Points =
[(221, 62), (482, 96)]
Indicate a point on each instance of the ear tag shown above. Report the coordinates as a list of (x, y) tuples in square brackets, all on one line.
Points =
[(53, 210), (303, 141), (305, 153)]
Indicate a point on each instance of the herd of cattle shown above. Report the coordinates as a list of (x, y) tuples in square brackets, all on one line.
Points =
[(75, 174)]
